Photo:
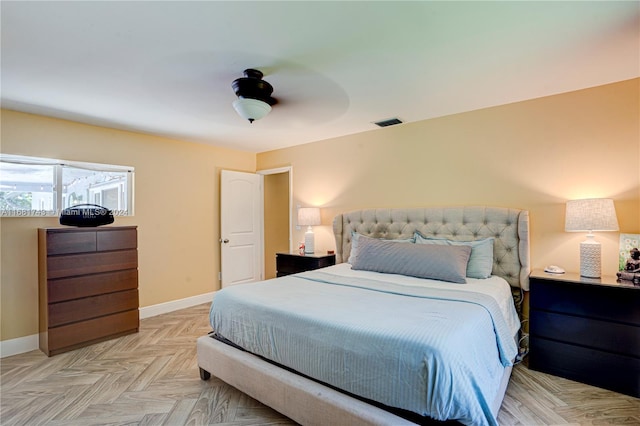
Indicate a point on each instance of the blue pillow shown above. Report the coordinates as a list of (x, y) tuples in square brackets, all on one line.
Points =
[(355, 239), (438, 262), (481, 261)]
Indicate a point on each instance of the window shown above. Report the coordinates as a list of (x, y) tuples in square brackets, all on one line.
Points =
[(31, 186)]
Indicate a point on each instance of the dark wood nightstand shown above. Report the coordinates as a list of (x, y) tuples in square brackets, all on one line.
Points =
[(586, 330), (292, 263)]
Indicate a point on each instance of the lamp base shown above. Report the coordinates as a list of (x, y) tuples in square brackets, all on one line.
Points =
[(309, 241), (590, 255)]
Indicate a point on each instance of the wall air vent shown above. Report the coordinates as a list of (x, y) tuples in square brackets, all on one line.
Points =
[(389, 122)]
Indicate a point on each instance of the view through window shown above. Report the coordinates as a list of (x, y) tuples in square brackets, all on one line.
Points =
[(31, 186)]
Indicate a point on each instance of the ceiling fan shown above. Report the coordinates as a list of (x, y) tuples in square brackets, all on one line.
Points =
[(254, 95)]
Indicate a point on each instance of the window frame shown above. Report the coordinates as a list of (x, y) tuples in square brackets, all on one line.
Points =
[(57, 188)]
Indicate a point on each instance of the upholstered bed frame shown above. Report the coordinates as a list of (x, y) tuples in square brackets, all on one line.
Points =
[(310, 403), (508, 227)]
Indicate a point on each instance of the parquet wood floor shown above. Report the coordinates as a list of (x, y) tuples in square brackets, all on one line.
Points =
[(151, 378)]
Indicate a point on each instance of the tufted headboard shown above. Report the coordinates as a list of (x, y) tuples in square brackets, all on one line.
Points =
[(509, 227)]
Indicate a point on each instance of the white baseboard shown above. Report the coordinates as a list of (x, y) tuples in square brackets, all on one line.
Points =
[(24, 344), (19, 345), (174, 305)]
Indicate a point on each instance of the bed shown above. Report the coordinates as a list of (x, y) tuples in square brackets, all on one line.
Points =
[(376, 339)]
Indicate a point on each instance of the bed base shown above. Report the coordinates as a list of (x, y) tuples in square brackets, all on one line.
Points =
[(303, 400)]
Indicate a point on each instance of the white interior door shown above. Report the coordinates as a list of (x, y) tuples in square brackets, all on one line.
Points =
[(241, 215)]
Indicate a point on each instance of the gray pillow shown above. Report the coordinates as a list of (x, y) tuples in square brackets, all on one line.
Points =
[(438, 262), (481, 259), (355, 238)]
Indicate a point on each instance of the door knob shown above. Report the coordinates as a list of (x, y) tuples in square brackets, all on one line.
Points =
[(224, 241)]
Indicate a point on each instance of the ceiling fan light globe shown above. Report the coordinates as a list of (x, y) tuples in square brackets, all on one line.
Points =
[(251, 109)]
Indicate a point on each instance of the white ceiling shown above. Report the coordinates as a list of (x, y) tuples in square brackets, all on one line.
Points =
[(166, 67)]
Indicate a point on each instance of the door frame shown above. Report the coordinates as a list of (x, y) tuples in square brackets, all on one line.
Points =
[(286, 169)]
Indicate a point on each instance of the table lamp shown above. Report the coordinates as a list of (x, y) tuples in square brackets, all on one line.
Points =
[(594, 214), (308, 216)]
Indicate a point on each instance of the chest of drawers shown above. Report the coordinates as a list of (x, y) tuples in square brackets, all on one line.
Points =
[(586, 330), (88, 286)]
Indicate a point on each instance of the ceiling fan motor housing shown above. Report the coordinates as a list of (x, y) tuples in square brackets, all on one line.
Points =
[(252, 86)]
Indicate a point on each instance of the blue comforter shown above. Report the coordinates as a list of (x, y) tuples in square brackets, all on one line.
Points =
[(432, 351)]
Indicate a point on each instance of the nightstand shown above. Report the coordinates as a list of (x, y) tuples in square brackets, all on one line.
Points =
[(292, 263), (586, 330)]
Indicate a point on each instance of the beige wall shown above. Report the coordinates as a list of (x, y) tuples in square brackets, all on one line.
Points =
[(532, 155), (176, 210)]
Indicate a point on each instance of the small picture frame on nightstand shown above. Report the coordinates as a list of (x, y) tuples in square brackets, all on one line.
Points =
[(628, 259)]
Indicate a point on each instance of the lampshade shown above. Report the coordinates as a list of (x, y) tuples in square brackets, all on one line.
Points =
[(594, 214), (308, 216), (251, 109)]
